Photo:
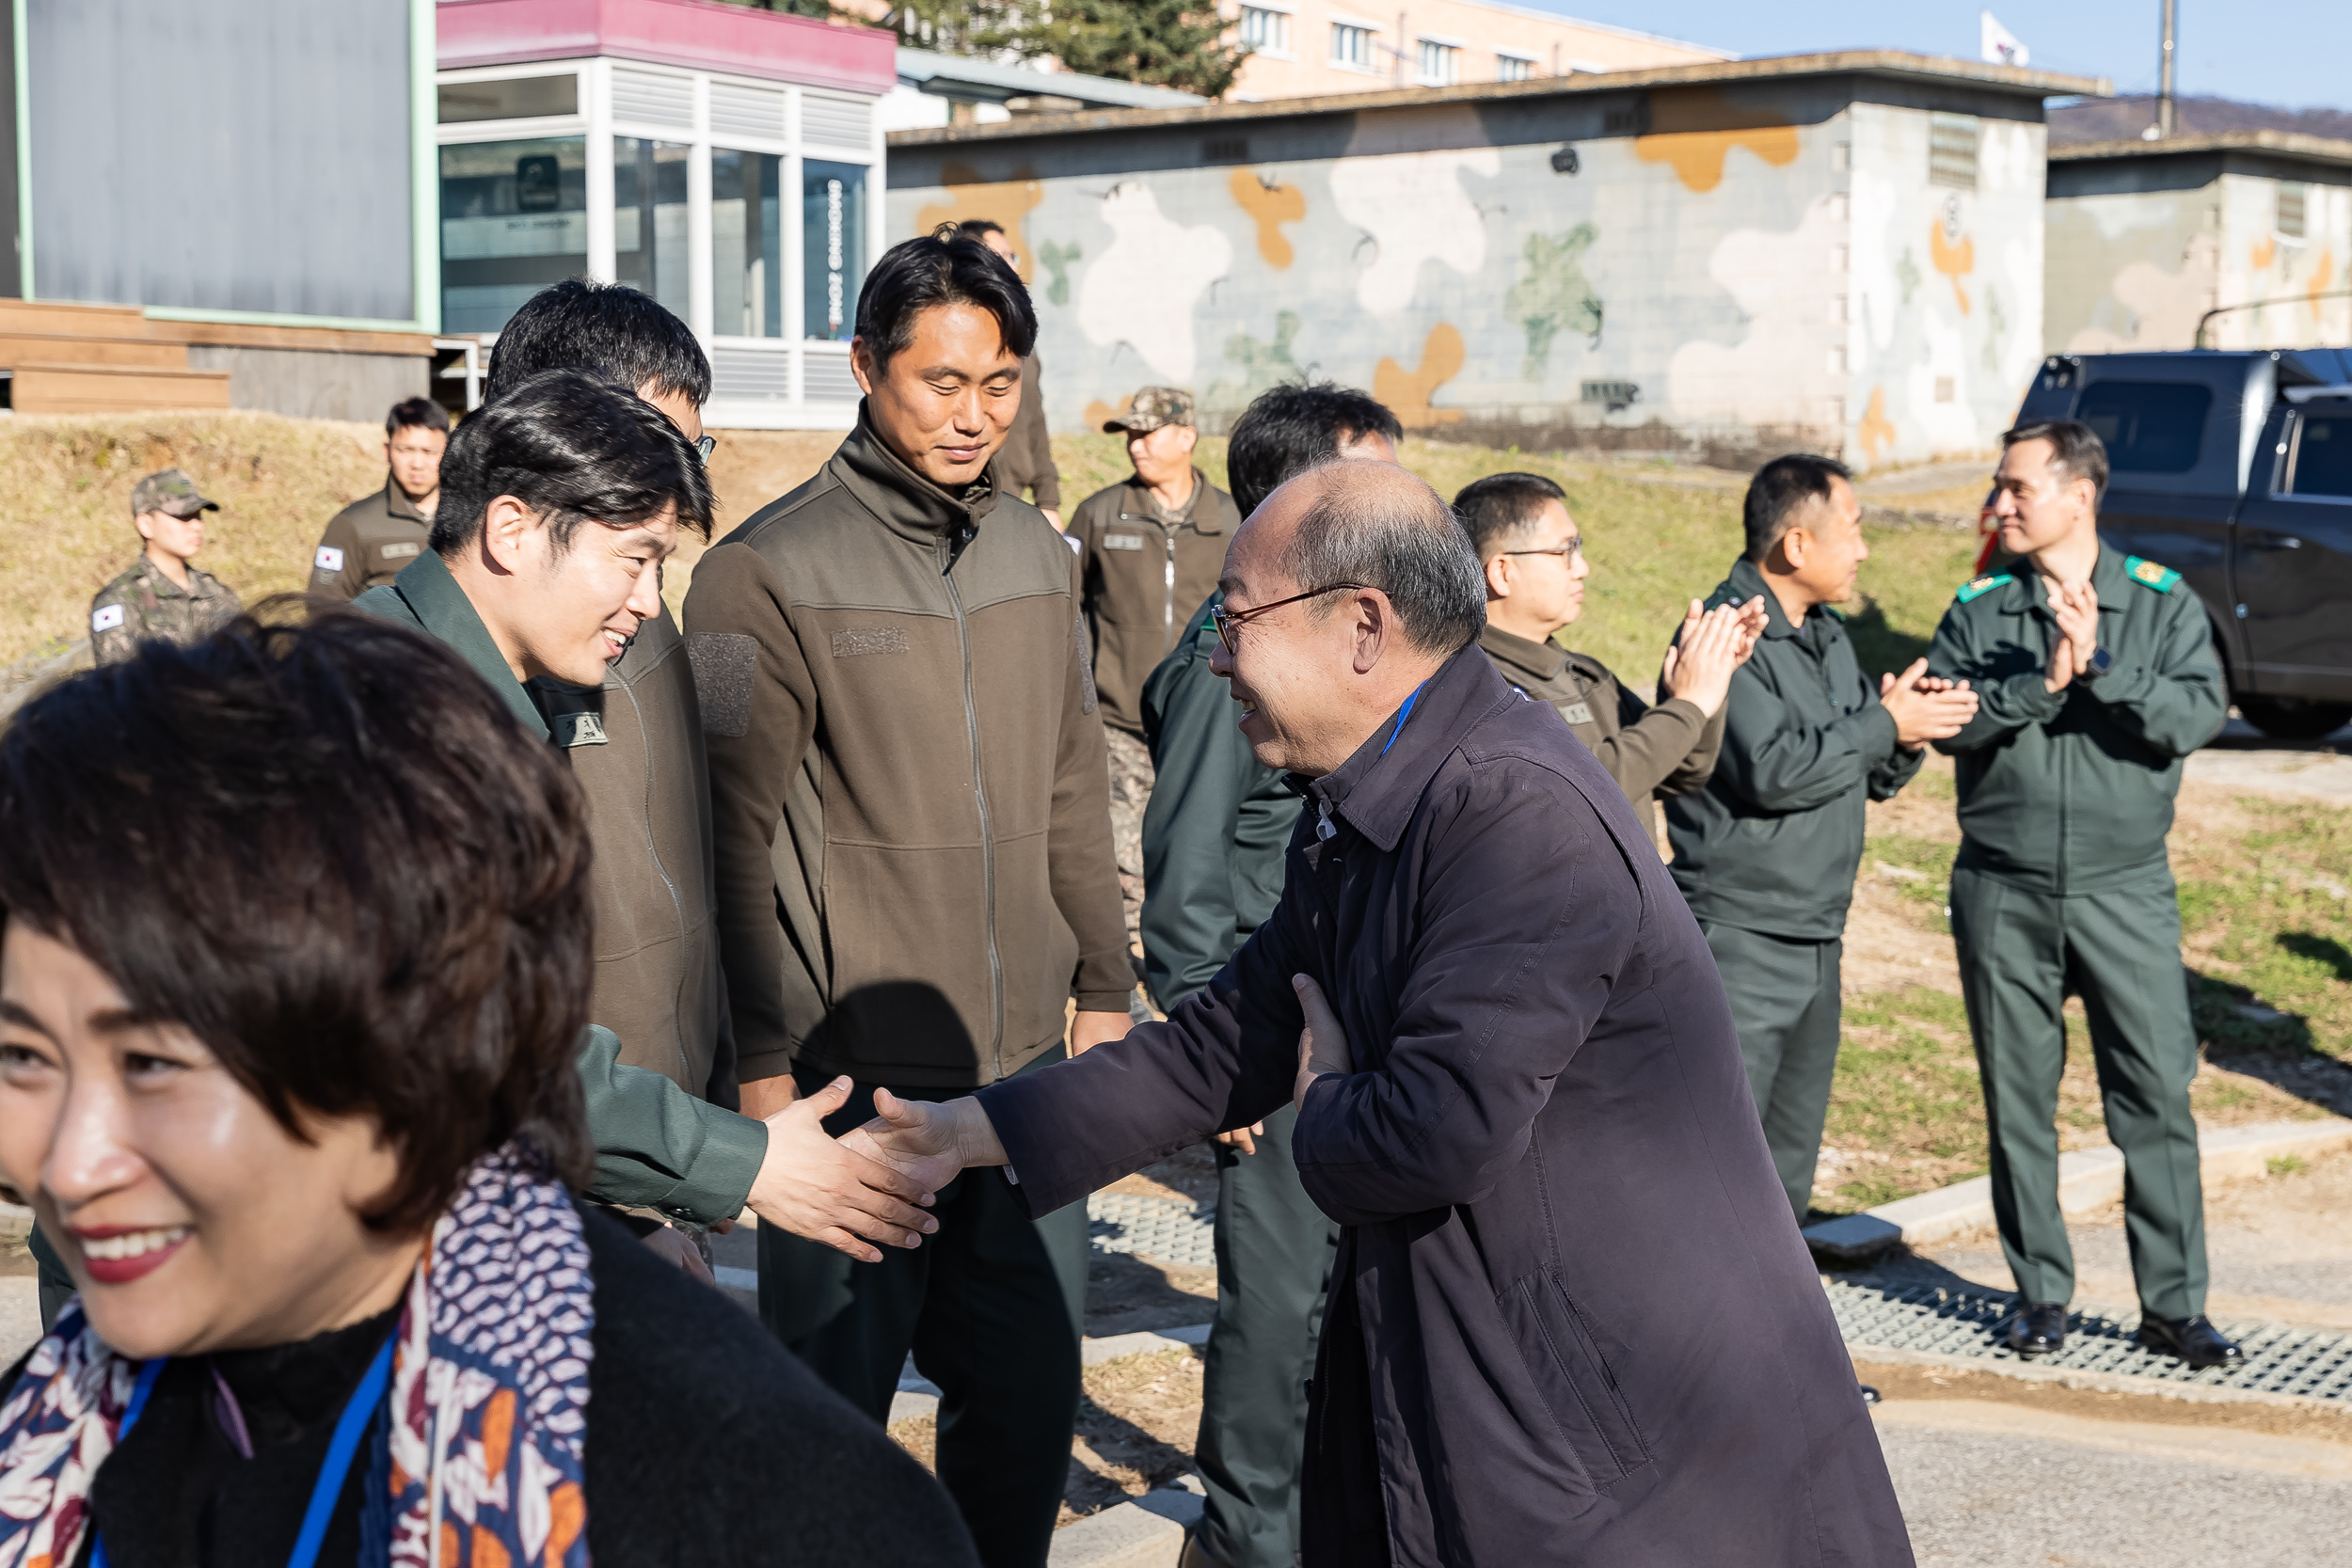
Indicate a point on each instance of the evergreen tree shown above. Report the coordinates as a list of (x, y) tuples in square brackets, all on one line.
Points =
[(1164, 44)]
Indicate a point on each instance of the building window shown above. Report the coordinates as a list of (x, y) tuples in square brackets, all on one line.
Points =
[(1351, 46), (746, 243), (2292, 194), (649, 219), (1441, 64), (1953, 150), (514, 220), (1266, 31), (1513, 68), (514, 97), (832, 247)]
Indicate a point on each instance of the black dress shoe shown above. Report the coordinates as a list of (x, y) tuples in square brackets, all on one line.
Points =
[(2193, 1340), (2038, 1329)]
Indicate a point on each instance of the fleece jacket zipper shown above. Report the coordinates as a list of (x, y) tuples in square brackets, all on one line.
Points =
[(980, 798)]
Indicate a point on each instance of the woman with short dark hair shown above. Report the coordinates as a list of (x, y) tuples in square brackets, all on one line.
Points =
[(291, 984)]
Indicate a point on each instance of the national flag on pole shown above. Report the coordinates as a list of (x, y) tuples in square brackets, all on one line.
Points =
[(2001, 46)]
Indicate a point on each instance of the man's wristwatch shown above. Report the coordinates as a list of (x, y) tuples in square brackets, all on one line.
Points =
[(2098, 664)]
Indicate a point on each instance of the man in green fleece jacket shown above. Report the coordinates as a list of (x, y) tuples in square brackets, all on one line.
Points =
[(1766, 854), (561, 500)]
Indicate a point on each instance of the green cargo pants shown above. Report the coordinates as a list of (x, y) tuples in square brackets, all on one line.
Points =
[(1783, 1002), (1274, 1255), (2021, 953), (992, 1305)]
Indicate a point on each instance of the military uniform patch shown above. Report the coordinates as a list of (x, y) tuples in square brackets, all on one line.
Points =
[(330, 559), (105, 617), (401, 552), (1982, 586), (580, 729), (1122, 541), (2163, 580), (1577, 713)]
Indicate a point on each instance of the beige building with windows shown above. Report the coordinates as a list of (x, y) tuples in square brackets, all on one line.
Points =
[(1309, 48)]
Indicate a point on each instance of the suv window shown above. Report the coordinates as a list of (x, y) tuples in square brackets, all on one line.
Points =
[(2323, 456), (2150, 427)]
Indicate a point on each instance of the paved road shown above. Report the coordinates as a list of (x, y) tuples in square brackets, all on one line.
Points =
[(1994, 1487)]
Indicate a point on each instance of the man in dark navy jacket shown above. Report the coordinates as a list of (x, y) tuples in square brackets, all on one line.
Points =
[(1571, 1319)]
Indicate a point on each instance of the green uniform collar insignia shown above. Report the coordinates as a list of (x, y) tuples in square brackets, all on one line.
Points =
[(2161, 579), (1982, 586)]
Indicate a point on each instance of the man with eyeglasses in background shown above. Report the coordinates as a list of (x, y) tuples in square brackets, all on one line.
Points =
[(1532, 554)]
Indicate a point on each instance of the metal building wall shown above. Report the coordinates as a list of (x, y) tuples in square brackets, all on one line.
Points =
[(233, 155)]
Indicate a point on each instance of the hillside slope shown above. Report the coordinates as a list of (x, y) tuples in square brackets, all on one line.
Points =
[(1655, 541)]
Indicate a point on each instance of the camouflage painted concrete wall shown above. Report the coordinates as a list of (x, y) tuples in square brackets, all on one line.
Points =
[(2138, 251), (1724, 271)]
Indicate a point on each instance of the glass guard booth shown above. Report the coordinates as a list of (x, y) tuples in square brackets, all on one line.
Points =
[(751, 208)]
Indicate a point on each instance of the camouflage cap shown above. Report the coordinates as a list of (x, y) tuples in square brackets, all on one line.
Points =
[(169, 491), (1151, 408)]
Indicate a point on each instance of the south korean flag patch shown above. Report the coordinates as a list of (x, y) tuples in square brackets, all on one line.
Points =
[(105, 618), (330, 559)]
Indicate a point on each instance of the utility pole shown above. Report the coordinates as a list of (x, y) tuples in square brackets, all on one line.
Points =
[(2167, 120)]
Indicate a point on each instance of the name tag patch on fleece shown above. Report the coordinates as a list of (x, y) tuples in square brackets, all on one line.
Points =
[(330, 559), (1122, 541), (401, 552), (1578, 713), (105, 618), (858, 641), (580, 729)]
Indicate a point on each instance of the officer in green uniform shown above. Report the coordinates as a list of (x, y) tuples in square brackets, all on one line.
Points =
[(162, 594), (1765, 854), (2096, 676)]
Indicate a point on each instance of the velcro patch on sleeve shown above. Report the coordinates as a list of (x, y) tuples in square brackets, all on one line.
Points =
[(330, 559), (860, 641), (725, 664), (107, 617)]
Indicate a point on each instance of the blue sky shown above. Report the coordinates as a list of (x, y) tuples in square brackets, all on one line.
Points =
[(2292, 53)]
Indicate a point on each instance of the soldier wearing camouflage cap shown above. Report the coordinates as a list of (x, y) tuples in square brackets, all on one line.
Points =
[(1151, 550), (162, 594)]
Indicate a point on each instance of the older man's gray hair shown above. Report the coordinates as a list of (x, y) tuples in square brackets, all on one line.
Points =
[(1376, 525)]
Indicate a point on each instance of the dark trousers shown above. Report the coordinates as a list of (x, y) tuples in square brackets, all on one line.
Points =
[(2020, 954), (993, 1307), (1274, 1253), (1783, 1002)]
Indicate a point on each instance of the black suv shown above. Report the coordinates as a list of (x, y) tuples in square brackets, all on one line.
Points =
[(2236, 470)]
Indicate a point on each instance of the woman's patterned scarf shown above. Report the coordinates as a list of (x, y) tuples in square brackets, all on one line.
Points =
[(481, 1462)]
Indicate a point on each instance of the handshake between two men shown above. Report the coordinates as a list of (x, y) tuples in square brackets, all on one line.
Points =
[(871, 1186)]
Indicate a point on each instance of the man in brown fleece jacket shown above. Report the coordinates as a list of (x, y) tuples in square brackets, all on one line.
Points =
[(1532, 554), (914, 860)]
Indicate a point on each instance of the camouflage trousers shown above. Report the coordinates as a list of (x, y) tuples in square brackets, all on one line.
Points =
[(1131, 791)]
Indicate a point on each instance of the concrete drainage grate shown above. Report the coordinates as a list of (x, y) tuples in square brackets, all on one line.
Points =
[(1961, 1324), (1169, 1229)]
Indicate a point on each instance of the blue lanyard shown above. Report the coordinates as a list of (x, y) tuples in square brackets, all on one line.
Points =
[(1404, 713), (328, 1490)]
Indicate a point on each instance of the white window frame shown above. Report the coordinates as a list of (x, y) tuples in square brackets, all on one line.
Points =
[(1369, 33), (1446, 52), (1528, 64), (1282, 18), (596, 124)]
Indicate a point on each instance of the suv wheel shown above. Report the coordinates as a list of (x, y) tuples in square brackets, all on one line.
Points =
[(2294, 717)]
